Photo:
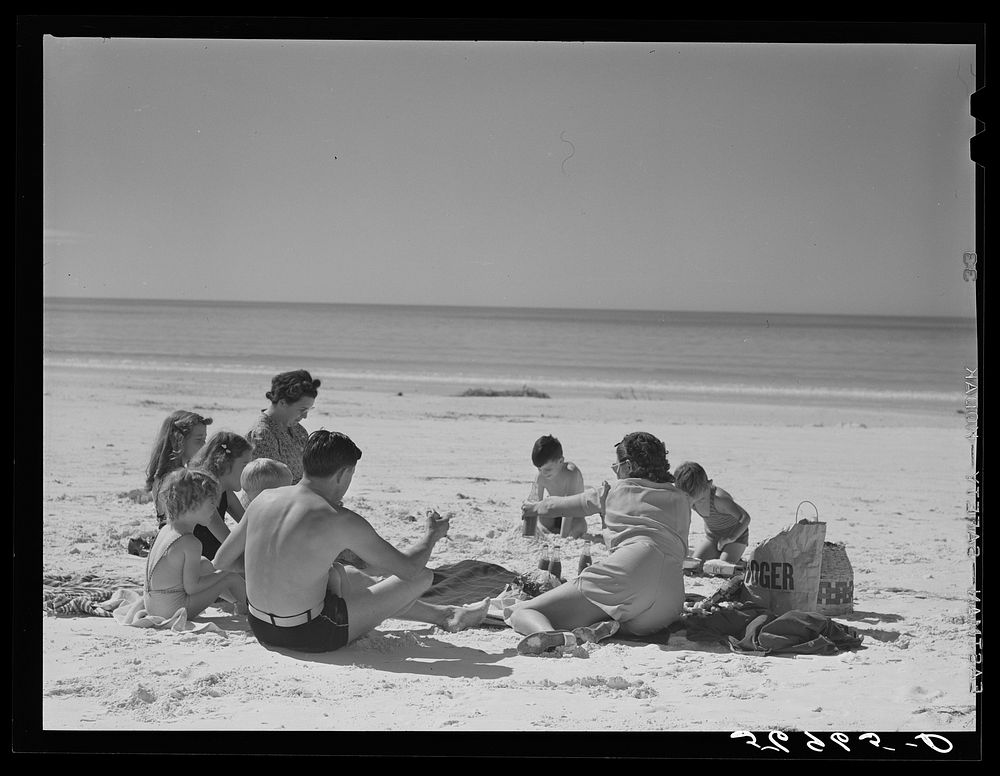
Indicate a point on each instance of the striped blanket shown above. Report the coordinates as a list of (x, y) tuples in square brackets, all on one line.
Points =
[(76, 594)]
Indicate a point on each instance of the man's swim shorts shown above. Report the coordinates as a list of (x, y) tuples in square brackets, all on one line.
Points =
[(324, 633)]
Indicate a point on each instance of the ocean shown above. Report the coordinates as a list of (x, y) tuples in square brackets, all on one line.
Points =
[(622, 354)]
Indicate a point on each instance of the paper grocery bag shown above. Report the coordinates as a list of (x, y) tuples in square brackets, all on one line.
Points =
[(783, 572)]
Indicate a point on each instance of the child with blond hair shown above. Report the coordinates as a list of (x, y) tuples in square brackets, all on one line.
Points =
[(176, 574), (260, 475)]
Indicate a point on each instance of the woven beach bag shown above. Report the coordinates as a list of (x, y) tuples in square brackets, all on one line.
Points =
[(836, 581), (836, 577)]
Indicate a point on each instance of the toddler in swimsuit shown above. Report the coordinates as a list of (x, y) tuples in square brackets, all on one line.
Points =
[(176, 574), (726, 532), (557, 477)]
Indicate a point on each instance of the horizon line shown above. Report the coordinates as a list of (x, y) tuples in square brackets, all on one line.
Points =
[(250, 302)]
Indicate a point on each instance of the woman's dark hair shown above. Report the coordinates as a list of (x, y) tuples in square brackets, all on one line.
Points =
[(218, 454), (292, 386), (547, 448), (648, 456), (169, 444), (327, 452)]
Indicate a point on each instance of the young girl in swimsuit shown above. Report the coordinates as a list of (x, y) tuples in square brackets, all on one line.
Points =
[(181, 435), (640, 587), (224, 456), (176, 574), (726, 532)]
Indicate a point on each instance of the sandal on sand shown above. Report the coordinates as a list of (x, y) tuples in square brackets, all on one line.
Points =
[(544, 641), (597, 632)]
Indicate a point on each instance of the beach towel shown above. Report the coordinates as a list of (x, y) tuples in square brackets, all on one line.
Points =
[(128, 608), (76, 594), (795, 632), (466, 582)]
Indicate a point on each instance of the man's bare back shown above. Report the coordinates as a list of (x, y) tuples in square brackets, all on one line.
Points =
[(291, 541), (288, 540)]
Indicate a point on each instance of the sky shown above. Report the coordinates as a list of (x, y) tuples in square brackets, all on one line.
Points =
[(800, 178)]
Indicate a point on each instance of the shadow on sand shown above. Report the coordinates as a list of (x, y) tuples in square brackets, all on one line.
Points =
[(855, 616), (227, 622), (414, 652), (885, 636)]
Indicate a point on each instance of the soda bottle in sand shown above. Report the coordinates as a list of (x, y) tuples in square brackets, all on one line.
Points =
[(585, 560), (555, 564), (529, 523), (545, 560)]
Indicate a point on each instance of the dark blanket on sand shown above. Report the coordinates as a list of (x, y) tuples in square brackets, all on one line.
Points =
[(467, 582), (662, 636)]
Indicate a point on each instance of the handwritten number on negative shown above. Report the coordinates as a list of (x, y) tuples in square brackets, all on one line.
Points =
[(746, 734), (841, 739), (926, 738), (934, 741), (774, 736), (814, 743), (781, 735)]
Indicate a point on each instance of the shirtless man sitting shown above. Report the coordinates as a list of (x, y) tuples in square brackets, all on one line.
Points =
[(298, 597)]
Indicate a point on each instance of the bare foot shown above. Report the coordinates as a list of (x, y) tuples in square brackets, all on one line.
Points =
[(463, 617)]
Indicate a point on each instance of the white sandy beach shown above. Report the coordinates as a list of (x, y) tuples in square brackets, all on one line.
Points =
[(889, 483)]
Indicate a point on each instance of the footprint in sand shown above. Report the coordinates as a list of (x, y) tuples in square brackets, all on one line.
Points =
[(922, 693)]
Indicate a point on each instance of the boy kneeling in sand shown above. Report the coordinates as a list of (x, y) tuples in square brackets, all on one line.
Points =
[(556, 477), (298, 597)]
